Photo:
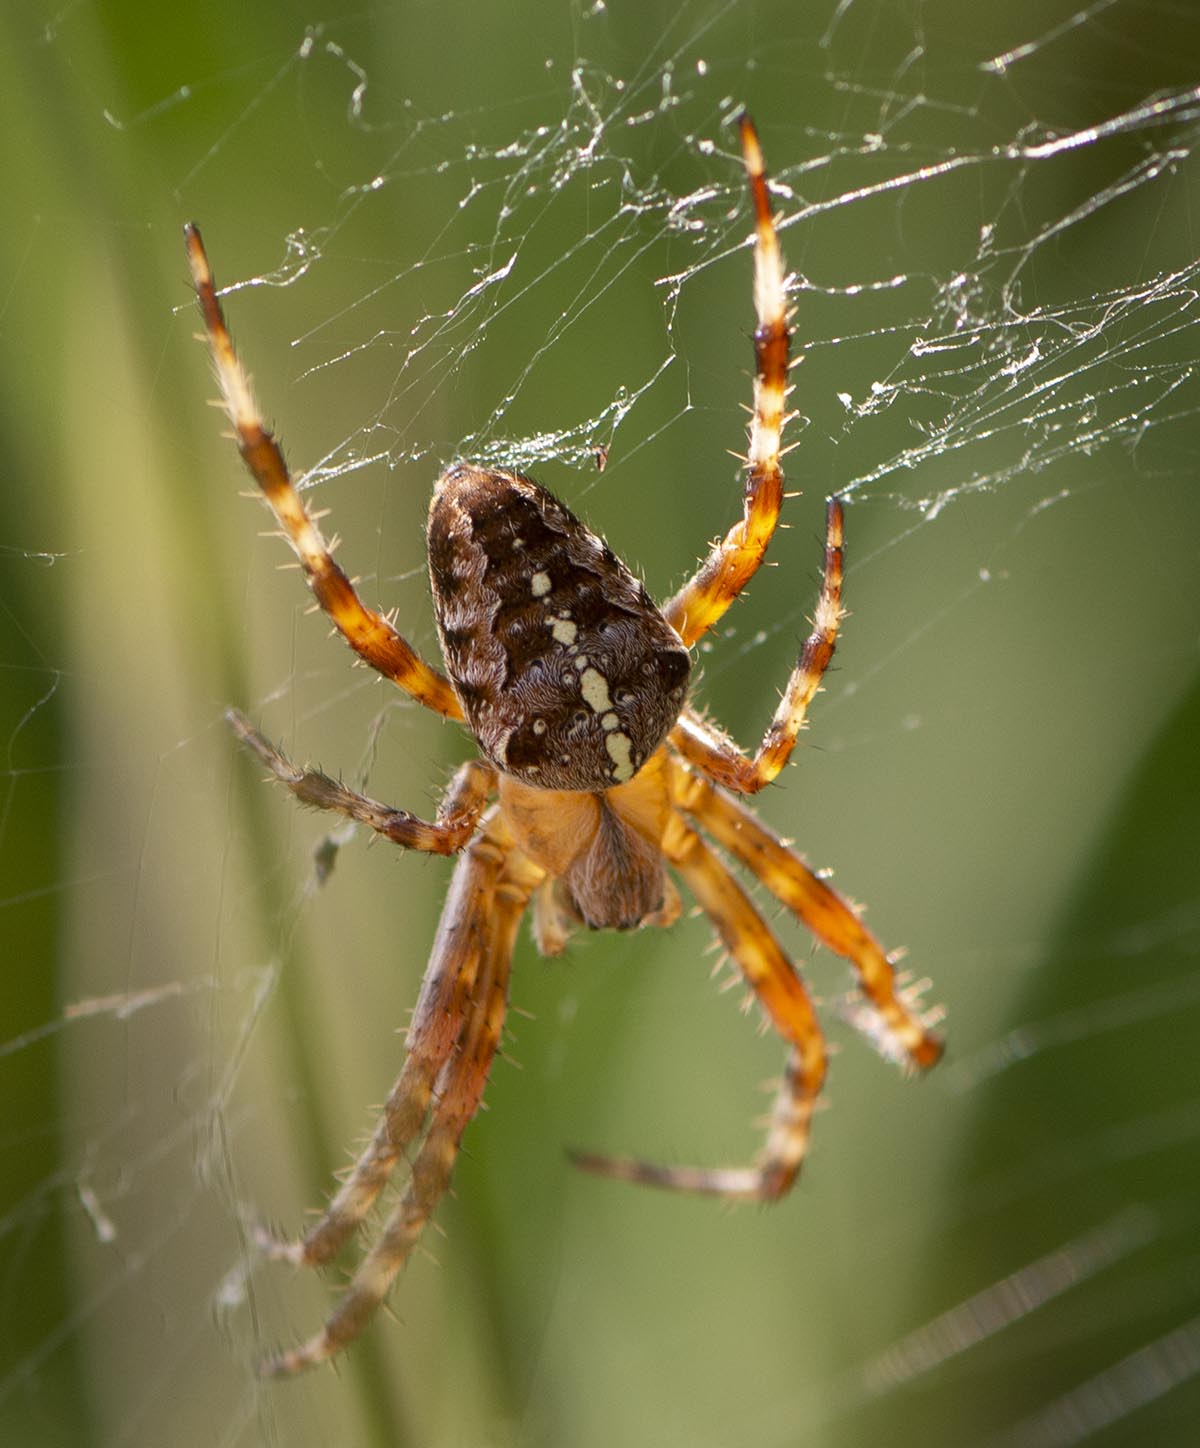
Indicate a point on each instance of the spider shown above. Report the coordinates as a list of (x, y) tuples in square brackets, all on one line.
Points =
[(598, 781)]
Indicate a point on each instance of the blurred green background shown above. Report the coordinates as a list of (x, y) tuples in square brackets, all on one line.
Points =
[(459, 218)]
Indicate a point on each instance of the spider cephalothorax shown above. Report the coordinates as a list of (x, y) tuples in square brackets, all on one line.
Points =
[(598, 783)]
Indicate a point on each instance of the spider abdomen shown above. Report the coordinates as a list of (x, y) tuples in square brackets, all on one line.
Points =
[(568, 674)]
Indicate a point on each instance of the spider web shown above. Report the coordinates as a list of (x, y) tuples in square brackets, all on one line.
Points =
[(521, 237)]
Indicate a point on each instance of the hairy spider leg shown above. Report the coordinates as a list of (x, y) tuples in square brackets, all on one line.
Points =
[(442, 1011), (714, 752), (368, 633), (783, 996), (734, 559), (818, 907), (456, 1096), (459, 812)]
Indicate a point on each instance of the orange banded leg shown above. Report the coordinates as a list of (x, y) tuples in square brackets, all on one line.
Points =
[(782, 995), (456, 1097), (368, 633), (732, 561), (458, 814), (442, 1009), (715, 753), (903, 1033)]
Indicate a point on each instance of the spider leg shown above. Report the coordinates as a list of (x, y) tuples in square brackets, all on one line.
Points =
[(733, 560), (368, 633), (714, 752), (440, 1019), (781, 993), (458, 814), (903, 1032), (455, 1100)]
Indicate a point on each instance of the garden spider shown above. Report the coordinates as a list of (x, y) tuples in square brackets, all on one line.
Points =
[(574, 686)]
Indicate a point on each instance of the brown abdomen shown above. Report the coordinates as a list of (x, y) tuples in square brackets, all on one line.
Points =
[(568, 674)]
